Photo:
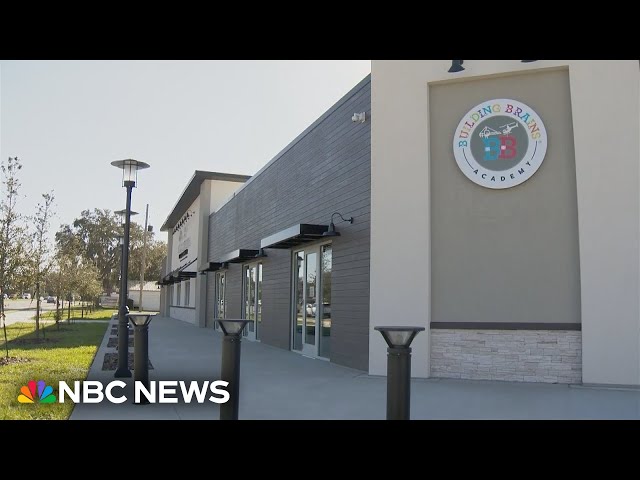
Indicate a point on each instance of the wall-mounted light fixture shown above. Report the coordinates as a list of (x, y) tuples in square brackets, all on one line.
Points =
[(456, 66), (359, 117), (332, 228), (261, 254)]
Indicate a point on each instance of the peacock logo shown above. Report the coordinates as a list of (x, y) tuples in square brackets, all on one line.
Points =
[(28, 393)]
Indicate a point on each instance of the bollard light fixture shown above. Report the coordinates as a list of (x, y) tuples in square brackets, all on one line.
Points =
[(140, 323), (230, 366), (399, 369)]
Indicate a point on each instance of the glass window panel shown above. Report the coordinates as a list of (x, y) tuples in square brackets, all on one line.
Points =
[(222, 295), (219, 297), (325, 284), (259, 298), (311, 301), (299, 300), (245, 296)]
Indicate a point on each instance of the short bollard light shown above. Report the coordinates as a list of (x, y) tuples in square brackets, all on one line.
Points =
[(140, 323), (230, 369), (399, 369)]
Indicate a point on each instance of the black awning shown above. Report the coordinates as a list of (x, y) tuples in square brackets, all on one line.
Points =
[(179, 274), (238, 256), (213, 266), (292, 236)]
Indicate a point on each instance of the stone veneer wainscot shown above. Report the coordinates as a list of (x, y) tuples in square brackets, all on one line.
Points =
[(551, 356)]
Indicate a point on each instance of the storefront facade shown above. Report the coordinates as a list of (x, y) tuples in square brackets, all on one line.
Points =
[(533, 282), (183, 293), (271, 262), (497, 206)]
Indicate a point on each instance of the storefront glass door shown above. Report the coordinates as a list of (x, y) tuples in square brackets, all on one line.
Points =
[(312, 301), (219, 297), (252, 300)]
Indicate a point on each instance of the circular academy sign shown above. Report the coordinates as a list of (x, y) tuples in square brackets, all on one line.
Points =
[(500, 143)]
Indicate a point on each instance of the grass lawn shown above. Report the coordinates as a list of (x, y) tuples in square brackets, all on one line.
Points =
[(65, 355), (76, 314)]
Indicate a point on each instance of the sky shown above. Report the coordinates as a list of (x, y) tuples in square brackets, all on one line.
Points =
[(67, 120)]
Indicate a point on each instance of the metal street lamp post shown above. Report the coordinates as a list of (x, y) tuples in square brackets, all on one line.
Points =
[(399, 369), (141, 323), (230, 370), (129, 169), (122, 215)]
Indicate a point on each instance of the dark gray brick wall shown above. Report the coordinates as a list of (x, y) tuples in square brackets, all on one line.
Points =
[(327, 169)]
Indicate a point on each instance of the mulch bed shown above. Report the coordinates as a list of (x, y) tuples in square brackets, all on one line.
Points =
[(111, 361), (12, 360), (114, 331), (113, 342)]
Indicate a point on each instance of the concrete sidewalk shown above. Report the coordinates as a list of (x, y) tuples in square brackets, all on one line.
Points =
[(278, 384)]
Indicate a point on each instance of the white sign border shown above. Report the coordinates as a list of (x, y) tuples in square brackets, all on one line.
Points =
[(535, 154)]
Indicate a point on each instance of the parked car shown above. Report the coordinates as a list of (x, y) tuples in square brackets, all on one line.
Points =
[(26, 296), (51, 299)]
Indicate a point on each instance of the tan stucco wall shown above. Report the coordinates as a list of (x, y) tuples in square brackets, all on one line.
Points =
[(507, 255)]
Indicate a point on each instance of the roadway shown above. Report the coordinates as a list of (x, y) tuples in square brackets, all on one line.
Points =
[(24, 310)]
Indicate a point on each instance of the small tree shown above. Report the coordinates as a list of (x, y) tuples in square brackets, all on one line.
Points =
[(12, 257), (88, 284), (39, 251), (66, 280)]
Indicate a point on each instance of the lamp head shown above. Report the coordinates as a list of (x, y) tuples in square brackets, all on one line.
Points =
[(399, 337), (232, 327), (130, 169), (332, 227), (122, 214), (331, 232), (140, 319)]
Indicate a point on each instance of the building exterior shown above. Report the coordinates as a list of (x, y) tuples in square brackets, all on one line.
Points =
[(486, 206), (150, 296), (183, 295)]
